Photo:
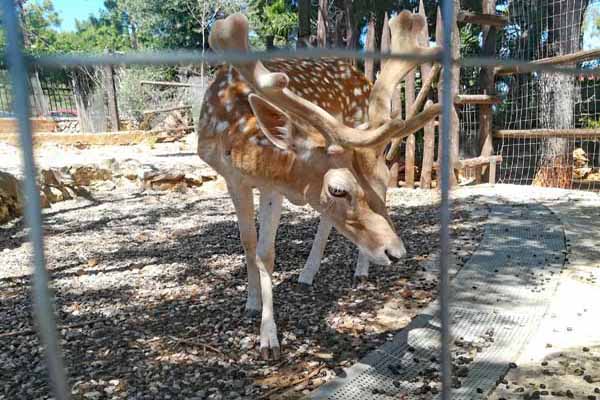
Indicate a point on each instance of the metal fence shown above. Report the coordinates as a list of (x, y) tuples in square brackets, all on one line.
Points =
[(19, 63)]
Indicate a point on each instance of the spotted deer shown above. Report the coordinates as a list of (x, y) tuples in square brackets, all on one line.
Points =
[(288, 129)]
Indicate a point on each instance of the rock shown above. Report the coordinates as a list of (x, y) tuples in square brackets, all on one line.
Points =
[(11, 200), (53, 194), (246, 343), (85, 175)]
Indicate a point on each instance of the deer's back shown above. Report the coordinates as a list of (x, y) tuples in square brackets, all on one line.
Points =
[(227, 124)]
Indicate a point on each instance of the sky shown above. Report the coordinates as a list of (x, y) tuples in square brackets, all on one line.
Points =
[(70, 10)]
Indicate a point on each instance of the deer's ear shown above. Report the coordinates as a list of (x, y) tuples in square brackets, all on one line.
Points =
[(273, 122)]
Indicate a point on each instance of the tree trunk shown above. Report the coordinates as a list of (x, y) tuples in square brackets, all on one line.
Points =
[(303, 23), (352, 29), (557, 95), (322, 23), (134, 37), (338, 31), (270, 42), (370, 47)]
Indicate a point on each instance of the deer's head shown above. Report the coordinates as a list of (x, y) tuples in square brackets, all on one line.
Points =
[(336, 168)]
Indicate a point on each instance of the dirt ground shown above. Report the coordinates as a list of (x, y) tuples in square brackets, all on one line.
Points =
[(150, 290)]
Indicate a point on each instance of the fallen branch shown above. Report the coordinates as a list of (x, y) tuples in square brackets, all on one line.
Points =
[(291, 384), (196, 344)]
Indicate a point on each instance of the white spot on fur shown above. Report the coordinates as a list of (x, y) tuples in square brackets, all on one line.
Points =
[(221, 126), (357, 91)]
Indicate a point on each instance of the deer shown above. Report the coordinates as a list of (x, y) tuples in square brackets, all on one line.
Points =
[(288, 129)]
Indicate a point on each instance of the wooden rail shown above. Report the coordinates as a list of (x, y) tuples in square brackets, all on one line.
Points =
[(473, 162), (583, 55), (164, 83), (547, 133), (169, 109), (485, 99), (494, 20), (477, 162)]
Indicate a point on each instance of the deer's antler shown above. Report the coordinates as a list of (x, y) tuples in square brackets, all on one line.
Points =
[(405, 28), (232, 34)]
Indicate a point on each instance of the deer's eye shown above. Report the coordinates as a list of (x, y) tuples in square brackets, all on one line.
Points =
[(337, 191)]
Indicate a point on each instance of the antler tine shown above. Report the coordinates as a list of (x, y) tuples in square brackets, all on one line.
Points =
[(232, 34), (405, 28)]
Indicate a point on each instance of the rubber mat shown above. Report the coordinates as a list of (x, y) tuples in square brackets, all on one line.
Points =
[(498, 300)]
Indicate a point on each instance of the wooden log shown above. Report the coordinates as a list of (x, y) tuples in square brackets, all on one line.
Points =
[(40, 101), (168, 109), (578, 56), (488, 86), (409, 156), (93, 139), (483, 19), (428, 152), (575, 133), (417, 105), (492, 179), (454, 128), (481, 99)]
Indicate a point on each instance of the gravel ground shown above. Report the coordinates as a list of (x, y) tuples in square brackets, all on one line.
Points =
[(150, 292)]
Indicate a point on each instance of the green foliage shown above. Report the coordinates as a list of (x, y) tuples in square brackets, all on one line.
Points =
[(590, 123), (40, 23), (133, 97), (175, 23), (273, 20)]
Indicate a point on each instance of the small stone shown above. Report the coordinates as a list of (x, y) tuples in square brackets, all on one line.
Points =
[(246, 343)]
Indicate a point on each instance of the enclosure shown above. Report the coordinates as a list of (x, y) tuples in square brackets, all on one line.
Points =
[(130, 282)]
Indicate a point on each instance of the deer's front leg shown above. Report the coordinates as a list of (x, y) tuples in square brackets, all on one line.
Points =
[(244, 208), (316, 252), (270, 213)]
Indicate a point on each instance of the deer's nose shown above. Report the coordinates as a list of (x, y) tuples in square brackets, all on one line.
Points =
[(392, 257)]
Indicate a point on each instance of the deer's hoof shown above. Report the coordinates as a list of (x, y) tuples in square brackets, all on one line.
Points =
[(274, 351), (360, 282)]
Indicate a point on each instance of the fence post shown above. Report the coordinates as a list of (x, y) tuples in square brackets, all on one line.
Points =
[(486, 78), (39, 99), (43, 302), (446, 172), (111, 94), (409, 156)]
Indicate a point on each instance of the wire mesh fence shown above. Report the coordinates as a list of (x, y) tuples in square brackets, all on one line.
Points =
[(547, 123)]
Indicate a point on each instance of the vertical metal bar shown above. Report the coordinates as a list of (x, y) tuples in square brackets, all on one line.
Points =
[(447, 103), (43, 304)]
